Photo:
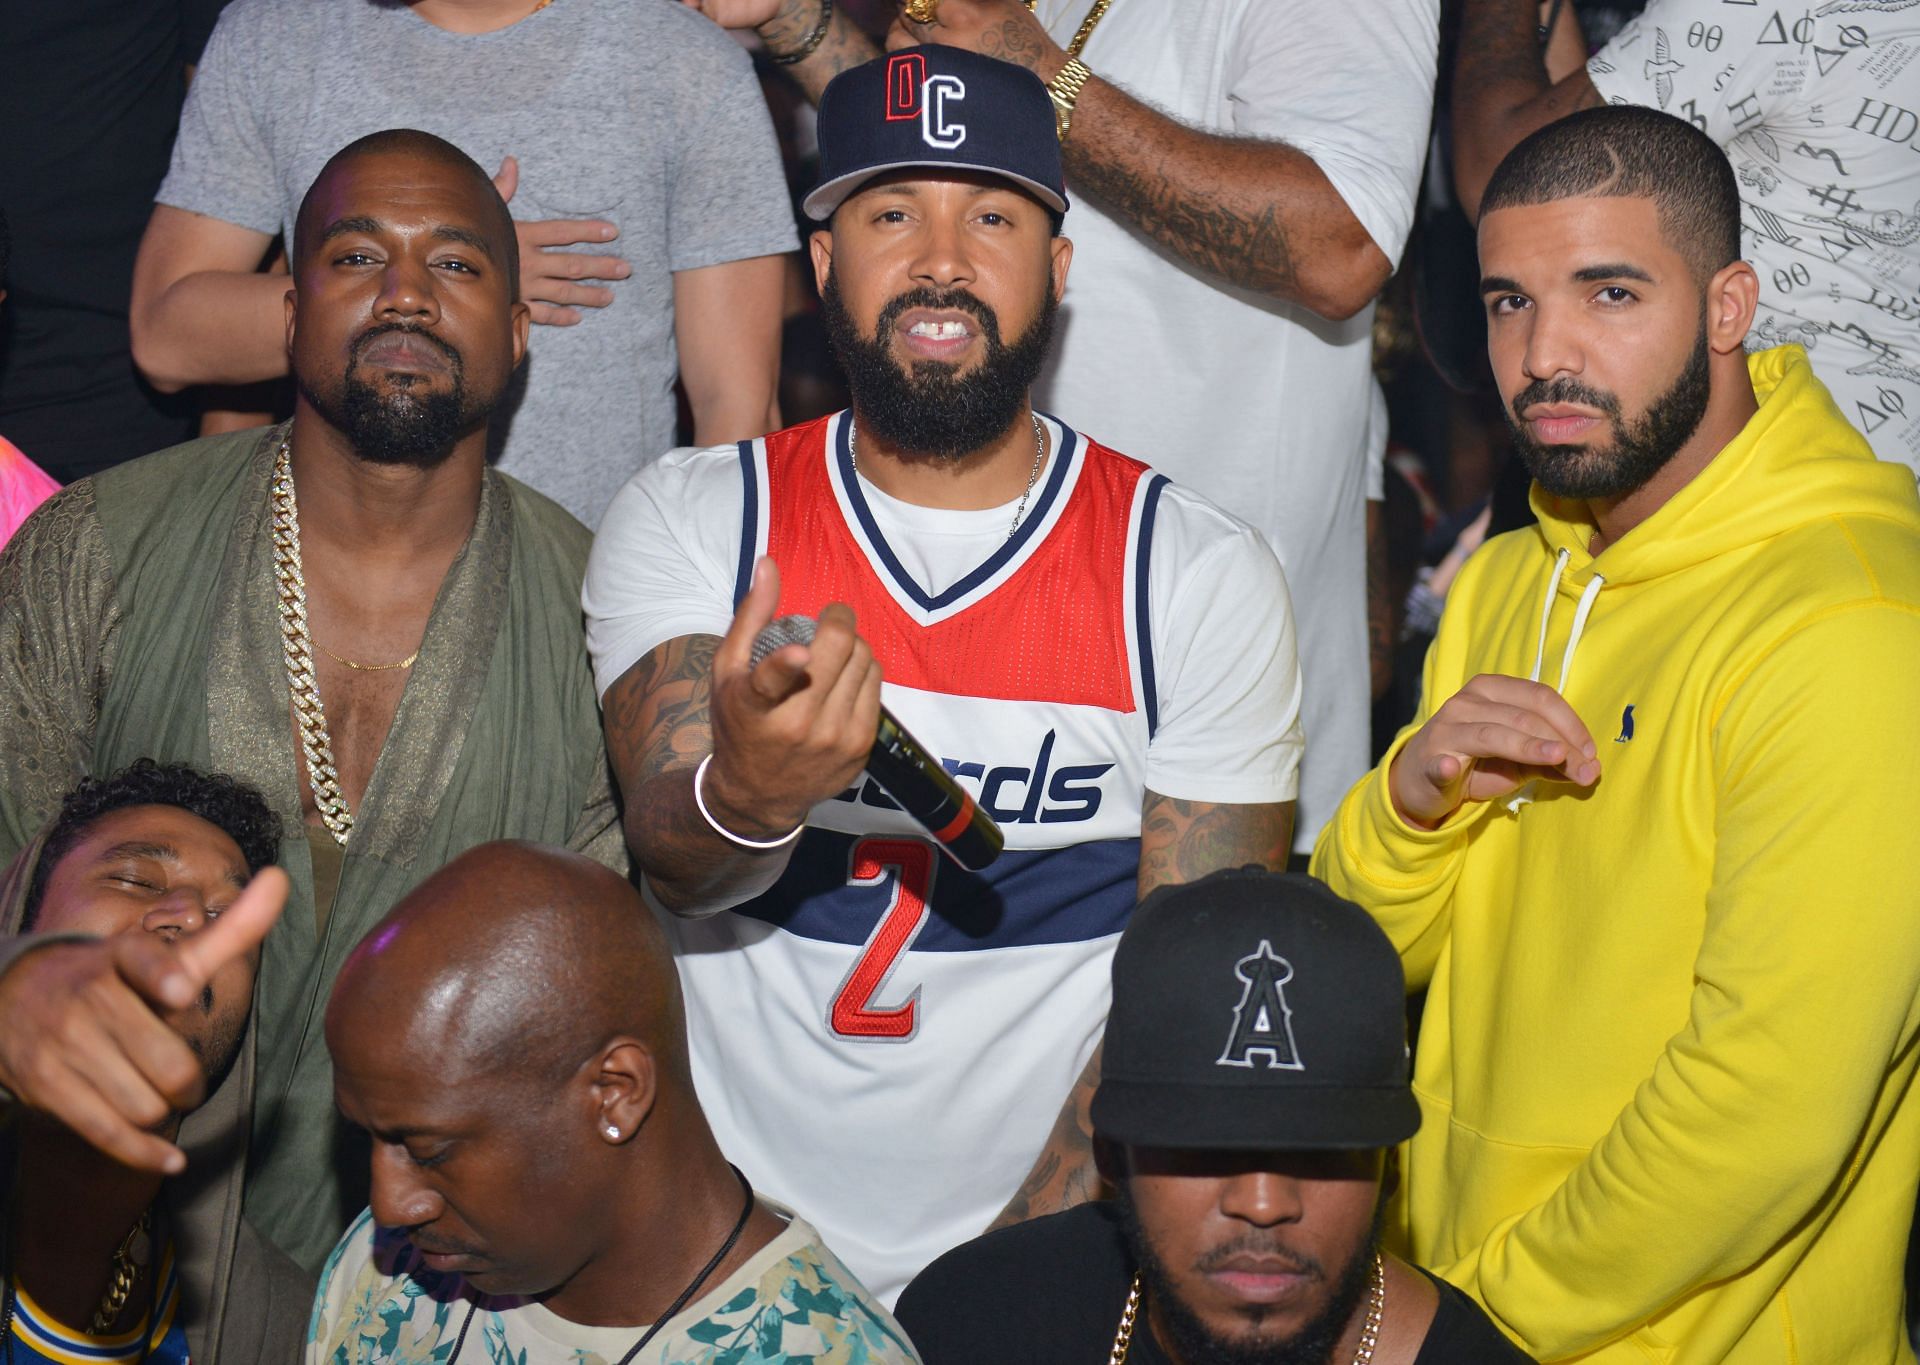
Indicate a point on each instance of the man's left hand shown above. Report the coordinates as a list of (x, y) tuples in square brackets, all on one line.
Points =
[(1005, 29)]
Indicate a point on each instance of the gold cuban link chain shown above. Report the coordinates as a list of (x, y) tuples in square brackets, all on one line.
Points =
[(298, 647), (1363, 1354)]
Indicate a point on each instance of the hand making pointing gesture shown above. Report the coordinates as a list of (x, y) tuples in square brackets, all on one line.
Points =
[(82, 1035)]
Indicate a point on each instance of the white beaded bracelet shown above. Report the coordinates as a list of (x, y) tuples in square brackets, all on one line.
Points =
[(758, 845)]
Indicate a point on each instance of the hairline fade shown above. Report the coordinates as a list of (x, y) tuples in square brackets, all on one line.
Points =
[(426, 147), (1631, 151)]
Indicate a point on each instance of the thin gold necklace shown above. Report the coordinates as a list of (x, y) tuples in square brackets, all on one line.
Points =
[(407, 662), (1363, 1354), (297, 645), (1087, 25), (1033, 475)]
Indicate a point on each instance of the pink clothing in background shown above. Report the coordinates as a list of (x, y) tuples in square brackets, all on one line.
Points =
[(23, 487)]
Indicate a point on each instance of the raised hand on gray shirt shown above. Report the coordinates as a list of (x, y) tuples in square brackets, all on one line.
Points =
[(550, 279)]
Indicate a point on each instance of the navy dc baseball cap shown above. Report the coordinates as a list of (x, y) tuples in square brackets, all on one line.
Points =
[(941, 108), (1255, 1011)]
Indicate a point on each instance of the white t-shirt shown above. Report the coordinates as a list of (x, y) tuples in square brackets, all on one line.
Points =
[(1819, 111), (1258, 405), (793, 1300), (1129, 637)]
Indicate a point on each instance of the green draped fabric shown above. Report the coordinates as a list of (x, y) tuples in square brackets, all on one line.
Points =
[(137, 618)]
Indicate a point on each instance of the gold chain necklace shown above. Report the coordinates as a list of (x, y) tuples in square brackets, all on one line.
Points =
[(298, 647), (1363, 1354), (1087, 26), (1033, 475), (126, 1270), (407, 662)]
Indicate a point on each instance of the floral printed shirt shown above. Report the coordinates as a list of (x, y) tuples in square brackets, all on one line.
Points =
[(794, 1302)]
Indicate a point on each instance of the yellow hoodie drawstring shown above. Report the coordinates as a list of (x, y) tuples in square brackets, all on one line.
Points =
[(1580, 614), (1546, 615)]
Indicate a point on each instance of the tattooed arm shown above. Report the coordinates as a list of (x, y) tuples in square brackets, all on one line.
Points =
[(1180, 841), (1501, 89), (1065, 1174), (784, 734), (786, 25), (1252, 212)]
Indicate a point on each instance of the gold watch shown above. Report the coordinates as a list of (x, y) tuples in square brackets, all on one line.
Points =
[(1064, 89)]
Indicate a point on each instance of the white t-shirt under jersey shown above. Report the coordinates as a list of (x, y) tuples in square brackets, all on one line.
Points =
[(1255, 404)]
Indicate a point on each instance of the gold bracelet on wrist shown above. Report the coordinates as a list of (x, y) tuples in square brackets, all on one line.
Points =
[(1064, 89)]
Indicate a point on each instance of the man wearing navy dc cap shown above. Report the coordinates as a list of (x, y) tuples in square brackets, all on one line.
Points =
[(1256, 1071), (1103, 660)]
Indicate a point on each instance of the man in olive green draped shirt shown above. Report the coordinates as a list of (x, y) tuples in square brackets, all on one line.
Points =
[(351, 613)]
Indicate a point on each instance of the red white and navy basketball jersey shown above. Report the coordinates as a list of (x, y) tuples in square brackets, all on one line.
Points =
[(883, 1038)]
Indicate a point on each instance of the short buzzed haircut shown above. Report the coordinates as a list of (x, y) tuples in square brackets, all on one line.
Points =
[(426, 147), (1630, 151)]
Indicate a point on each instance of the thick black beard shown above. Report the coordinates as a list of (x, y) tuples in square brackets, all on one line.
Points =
[(1194, 1342), (933, 410), (399, 427), (1639, 450)]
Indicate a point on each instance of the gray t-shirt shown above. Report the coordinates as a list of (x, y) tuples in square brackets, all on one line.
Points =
[(637, 111)]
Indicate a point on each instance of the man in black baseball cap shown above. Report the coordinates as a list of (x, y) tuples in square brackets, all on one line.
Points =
[(1104, 660), (1256, 1074)]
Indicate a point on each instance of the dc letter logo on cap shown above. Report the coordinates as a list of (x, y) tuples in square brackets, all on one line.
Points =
[(911, 93), (1262, 1023)]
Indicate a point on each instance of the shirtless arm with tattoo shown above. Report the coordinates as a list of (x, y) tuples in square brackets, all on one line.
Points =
[(1180, 841), (784, 735), (1251, 212)]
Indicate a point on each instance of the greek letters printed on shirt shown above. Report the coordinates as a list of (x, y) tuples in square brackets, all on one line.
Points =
[(1818, 107)]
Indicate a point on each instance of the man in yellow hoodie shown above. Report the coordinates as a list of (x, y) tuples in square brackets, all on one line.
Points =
[(1645, 844)]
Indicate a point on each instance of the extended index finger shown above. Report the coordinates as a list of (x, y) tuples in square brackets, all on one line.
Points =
[(734, 654), (237, 931)]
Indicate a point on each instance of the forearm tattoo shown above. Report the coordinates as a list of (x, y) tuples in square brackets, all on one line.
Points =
[(844, 46), (1065, 1174), (1248, 244), (1182, 841), (658, 730)]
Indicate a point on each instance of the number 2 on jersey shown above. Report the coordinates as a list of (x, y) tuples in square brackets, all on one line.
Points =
[(909, 865)]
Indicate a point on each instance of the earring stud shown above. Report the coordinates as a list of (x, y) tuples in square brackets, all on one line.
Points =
[(613, 1132)]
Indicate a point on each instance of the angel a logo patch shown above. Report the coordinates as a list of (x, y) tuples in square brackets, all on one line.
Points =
[(1262, 1022)]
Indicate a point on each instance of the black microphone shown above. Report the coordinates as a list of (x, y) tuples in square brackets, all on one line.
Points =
[(910, 775)]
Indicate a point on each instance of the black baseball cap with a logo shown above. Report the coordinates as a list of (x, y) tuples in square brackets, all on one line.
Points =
[(942, 108), (1255, 1011)]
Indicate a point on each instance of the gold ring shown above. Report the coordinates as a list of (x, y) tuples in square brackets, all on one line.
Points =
[(922, 11)]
